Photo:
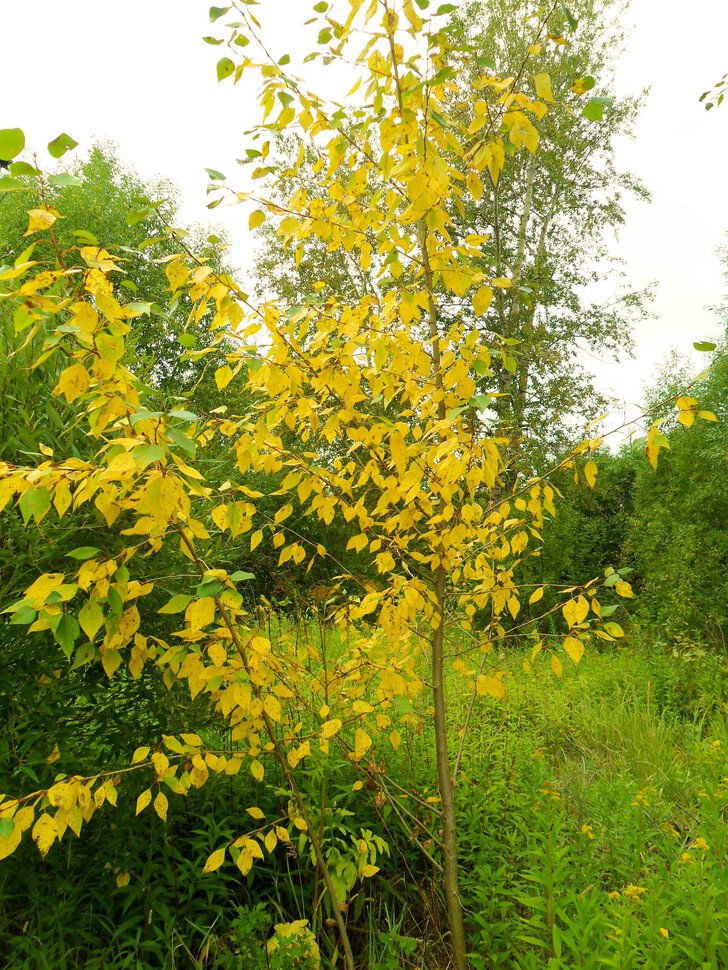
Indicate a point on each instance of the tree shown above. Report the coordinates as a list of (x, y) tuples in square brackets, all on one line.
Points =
[(392, 373)]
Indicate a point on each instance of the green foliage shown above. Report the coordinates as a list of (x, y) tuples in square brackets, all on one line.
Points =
[(678, 538)]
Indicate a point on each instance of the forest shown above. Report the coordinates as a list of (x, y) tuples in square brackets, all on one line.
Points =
[(336, 629)]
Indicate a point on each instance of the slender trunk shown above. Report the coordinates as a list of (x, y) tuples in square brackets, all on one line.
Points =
[(445, 783), (444, 777)]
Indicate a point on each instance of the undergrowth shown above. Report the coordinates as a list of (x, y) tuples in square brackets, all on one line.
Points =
[(592, 830)]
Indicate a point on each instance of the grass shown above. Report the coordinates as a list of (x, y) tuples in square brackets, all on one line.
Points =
[(592, 814)]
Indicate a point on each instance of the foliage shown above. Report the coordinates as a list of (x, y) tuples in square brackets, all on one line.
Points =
[(678, 538), (622, 745), (362, 406)]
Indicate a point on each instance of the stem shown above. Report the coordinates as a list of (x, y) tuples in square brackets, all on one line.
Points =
[(444, 777), (445, 782), (283, 762)]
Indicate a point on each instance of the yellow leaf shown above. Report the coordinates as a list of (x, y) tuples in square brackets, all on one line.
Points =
[(256, 770), (542, 84), (161, 805), (54, 755), (574, 648), (395, 739), (475, 186), (200, 613), (90, 618), (362, 743), (111, 662), (256, 539), (140, 755), (491, 687), (330, 728), (143, 800), (9, 844), (255, 813), (123, 879), (590, 473), (272, 708), (177, 274), (160, 762), (44, 833), (556, 665), (40, 219), (623, 589), (535, 49), (414, 19), (369, 871), (271, 841), (73, 382), (482, 300), (223, 376), (256, 219), (535, 596), (215, 860), (707, 416), (576, 610)]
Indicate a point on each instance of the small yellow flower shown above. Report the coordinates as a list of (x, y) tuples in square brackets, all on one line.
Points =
[(714, 745), (664, 932), (686, 858), (614, 895), (700, 843), (588, 831), (634, 893)]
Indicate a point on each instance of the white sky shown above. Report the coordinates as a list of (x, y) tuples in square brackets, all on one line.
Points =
[(138, 73)]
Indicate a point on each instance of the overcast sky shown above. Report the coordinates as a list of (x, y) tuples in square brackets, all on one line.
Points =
[(137, 72)]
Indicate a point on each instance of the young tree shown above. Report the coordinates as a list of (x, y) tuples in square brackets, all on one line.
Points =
[(391, 376)]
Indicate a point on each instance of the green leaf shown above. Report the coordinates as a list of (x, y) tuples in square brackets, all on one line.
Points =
[(12, 142), (144, 455), (34, 503), (215, 175), (704, 346), (83, 236), (242, 577), (213, 40), (594, 109), (8, 184), (187, 339), (225, 67), (177, 604), (423, 4), (22, 168), (183, 415), (211, 587), (62, 144), (66, 633), (217, 12), (445, 8), (321, 7), (83, 552), (23, 616), (65, 180)]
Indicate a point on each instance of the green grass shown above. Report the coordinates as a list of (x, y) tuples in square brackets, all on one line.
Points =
[(570, 792)]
